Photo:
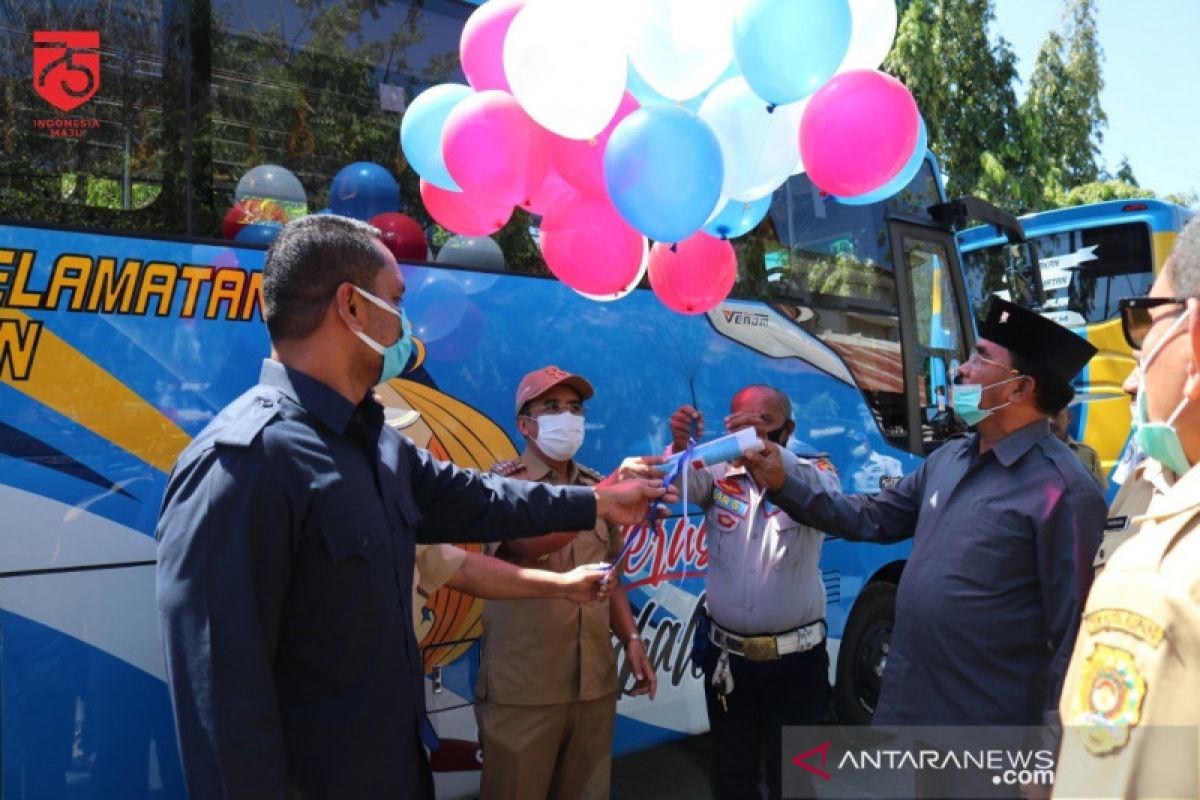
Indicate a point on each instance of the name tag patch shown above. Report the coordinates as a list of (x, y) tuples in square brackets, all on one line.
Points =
[(730, 504), (1116, 523)]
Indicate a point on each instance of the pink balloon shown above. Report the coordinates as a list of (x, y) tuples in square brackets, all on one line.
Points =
[(694, 275), (481, 48), (589, 247), (493, 150), (858, 130), (456, 211), (581, 161), (552, 190)]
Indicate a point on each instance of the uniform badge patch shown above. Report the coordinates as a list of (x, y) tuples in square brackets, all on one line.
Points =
[(825, 465), (730, 504), (1108, 703), (1131, 622), (730, 488), (725, 520)]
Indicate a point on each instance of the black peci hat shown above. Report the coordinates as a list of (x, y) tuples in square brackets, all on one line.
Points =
[(1054, 349)]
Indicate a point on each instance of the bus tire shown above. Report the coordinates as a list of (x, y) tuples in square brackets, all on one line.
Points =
[(863, 654)]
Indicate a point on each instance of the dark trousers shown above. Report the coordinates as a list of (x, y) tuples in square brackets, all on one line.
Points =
[(747, 730)]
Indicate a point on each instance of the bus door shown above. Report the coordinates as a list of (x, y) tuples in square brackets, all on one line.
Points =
[(934, 340)]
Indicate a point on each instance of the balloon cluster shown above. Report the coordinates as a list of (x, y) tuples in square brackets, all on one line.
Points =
[(619, 121), (269, 196)]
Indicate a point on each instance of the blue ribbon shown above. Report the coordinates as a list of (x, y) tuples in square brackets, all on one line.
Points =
[(652, 512)]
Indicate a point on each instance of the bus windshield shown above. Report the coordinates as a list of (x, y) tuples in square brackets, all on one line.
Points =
[(1083, 272)]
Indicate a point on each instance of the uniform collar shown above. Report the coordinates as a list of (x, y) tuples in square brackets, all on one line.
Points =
[(1010, 449), (1179, 497), (317, 398), (538, 470)]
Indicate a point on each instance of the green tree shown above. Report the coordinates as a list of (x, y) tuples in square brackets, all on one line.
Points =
[(1061, 117), (963, 83), (1125, 172)]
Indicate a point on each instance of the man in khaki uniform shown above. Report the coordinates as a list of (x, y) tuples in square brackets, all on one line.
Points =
[(1085, 453), (546, 694), (1136, 664)]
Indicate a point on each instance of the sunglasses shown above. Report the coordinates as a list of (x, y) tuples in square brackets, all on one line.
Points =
[(1136, 320)]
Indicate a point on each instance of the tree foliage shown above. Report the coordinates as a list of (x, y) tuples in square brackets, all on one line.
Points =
[(1041, 153), (963, 82)]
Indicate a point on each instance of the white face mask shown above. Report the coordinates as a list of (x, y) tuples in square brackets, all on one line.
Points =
[(560, 435)]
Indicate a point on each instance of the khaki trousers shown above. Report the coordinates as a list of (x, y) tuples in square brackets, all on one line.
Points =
[(557, 752)]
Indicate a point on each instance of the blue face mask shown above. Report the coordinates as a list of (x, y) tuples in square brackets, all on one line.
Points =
[(967, 397), (395, 356), (1160, 440)]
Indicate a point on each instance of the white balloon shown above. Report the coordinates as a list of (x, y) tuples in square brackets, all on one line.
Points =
[(633, 284), (759, 147), (565, 61), (681, 47), (871, 35)]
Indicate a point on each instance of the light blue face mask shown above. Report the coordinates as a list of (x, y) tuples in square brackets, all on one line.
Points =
[(395, 356), (967, 397), (1160, 440)]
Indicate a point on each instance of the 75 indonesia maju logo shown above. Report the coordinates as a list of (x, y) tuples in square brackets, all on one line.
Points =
[(66, 67)]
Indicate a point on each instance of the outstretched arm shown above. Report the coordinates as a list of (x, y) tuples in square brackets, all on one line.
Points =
[(889, 516), (494, 579)]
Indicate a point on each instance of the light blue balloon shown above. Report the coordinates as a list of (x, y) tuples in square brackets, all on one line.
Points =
[(737, 218), (663, 171), (901, 179), (421, 132), (787, 49)]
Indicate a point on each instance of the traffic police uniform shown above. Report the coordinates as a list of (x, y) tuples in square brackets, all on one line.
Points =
[(1130, 704), (765, 664), (546, 695)]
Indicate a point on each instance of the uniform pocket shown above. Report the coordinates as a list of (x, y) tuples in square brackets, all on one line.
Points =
[(790, 535)]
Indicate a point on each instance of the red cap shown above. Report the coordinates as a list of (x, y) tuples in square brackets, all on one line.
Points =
[(540, 381)]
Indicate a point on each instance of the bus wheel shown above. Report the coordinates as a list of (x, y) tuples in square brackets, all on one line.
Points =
[(863, 654)]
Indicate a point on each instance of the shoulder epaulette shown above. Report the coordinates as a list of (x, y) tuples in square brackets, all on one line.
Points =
[(588, 472), (249, 417), (507, 469)]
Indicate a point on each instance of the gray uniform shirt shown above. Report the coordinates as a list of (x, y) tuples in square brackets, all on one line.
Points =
[(763, 566)]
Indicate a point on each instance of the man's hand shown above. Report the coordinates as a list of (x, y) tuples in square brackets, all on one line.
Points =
[(587, 583), (640, 667), (636, 467), (681, 427), (766, 467), (626, 502)]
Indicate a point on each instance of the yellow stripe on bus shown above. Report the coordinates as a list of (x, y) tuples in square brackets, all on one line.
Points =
[(68, 382)]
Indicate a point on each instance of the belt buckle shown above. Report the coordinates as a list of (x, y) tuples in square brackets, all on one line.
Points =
[(760, 648)]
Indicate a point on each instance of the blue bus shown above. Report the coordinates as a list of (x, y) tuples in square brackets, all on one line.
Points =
[(1087, 258), (128, 318)]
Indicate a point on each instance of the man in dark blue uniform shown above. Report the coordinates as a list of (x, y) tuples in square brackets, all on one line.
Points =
[(287, 542), (1005, 522)]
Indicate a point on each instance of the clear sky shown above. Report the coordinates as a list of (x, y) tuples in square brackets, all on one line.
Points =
[(1150, 92)]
